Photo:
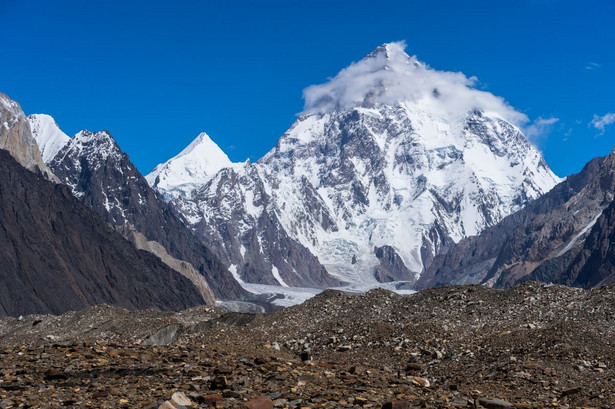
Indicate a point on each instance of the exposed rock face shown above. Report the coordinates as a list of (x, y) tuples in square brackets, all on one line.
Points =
[(16, 136), (237, 218), (391, 267), (590, 265), (542, 241), (58, 256), (102, 177), (183, 267), (397, 166)]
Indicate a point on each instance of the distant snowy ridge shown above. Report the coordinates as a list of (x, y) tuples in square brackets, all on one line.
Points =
[(390, 163)]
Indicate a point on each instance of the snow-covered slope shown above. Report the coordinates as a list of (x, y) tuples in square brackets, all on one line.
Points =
[(390, 162), (190, 168), (49, 137)]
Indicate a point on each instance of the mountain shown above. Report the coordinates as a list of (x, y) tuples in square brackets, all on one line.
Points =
[(188, 169), (58, 256), (390, 163), (16, 137), (561, 237), (104, 179)]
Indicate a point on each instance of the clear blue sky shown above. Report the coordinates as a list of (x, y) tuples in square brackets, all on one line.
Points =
[(156, 73)]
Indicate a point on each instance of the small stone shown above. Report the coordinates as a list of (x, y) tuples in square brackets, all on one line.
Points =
[(100, 394), (231, 394), (262, 402), (494, 403), (397, 404), (280, 403), (305, 356), (219, 382), (211, 399), (179, 399), (572, 391), (415, 366), (417, 380), (6, 403), (55, 374), (531, 365), (344, 348)]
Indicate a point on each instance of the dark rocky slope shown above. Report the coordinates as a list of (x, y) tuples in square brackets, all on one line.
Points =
[(544, 237), (56, 255), (593, 265), (104, 179)]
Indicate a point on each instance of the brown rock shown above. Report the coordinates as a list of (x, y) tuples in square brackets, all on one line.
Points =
[(262, 402), (219, 382), (211, 399), (415, 366), (397, 404)]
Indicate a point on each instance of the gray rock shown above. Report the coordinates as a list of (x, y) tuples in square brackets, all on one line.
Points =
[(495, 403), (164, 336)]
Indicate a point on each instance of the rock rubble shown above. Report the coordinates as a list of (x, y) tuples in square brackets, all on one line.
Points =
[(531, 346)]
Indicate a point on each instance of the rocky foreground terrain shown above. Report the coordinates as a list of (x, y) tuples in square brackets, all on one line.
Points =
[(531, 346)]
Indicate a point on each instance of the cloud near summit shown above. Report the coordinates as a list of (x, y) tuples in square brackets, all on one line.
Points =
[(389, 75)]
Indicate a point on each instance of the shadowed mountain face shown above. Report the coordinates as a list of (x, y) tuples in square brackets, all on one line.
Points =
[(103, 178), (589, 265), (56, 255), (564, 237)]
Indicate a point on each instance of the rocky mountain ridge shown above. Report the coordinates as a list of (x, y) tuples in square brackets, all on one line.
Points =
[(545, 241), (59, 256), (103, 178)]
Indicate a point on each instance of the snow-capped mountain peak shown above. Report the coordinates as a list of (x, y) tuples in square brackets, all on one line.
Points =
[(49, 137), (94, 146), (388, 75), (391, 56), (193, 166), (391, 163)]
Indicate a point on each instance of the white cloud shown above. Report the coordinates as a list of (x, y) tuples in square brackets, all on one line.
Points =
[(600, 122), (389, 75), (592, 66), (539, 127)]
